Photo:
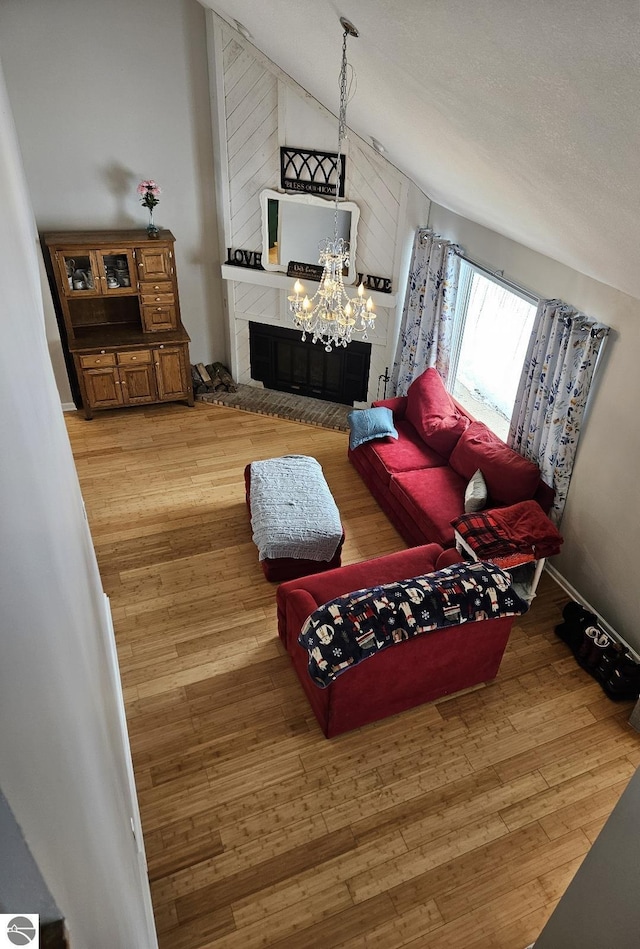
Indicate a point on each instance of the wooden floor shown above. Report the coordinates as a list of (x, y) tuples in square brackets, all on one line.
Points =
[(458, 824)]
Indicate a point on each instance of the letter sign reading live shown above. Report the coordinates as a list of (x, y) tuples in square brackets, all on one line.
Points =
[(382, 284)]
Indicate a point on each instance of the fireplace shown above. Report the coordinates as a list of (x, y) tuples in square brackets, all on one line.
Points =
[(282, 361)]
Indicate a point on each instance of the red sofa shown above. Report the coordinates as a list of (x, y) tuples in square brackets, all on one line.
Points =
[(408, 674), (419, 480)]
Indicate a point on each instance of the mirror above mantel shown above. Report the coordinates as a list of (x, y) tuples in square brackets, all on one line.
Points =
[(293, 226)]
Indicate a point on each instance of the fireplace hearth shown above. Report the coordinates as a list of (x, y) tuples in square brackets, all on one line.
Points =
[(282, 361)]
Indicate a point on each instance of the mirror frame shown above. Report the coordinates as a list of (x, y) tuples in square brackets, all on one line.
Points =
[(312, 201)]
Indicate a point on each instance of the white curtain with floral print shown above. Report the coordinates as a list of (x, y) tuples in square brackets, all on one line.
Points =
[(552, 393), (429, 308)]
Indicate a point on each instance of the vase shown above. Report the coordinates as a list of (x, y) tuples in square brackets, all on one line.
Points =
[(153, 232)]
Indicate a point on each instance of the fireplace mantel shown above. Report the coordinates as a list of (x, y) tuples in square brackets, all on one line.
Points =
[(263, 278)]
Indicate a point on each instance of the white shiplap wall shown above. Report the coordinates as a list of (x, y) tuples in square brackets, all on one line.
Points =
[(254, 115)]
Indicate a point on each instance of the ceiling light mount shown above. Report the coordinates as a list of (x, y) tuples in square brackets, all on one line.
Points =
[(348, 26)]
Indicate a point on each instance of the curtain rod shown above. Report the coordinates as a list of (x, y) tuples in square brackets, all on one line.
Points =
[(499, 274)]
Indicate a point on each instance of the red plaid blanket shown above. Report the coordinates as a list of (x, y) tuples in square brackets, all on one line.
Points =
[(483, 535), (521, 528)]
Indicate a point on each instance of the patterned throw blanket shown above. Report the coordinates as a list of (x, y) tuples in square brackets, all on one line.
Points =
[(293, 513), (351, 628)]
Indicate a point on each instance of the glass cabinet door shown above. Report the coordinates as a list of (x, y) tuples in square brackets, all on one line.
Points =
[(117, 271), (79, 272)]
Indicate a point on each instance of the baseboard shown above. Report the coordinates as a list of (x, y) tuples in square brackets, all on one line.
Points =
[(573, 593), (68, 407)]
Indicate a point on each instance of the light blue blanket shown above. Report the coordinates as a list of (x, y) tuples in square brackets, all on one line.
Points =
[(293, 513)]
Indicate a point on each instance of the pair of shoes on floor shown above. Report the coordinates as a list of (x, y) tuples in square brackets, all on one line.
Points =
[(601, 656), (575, 621)]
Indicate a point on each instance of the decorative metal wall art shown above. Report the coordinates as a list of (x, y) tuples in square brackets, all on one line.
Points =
[(303, 169)]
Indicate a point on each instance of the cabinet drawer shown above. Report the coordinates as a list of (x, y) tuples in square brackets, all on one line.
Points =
[(136, 356), (97, 359), (159, 317), (152, 299), (156, 286)]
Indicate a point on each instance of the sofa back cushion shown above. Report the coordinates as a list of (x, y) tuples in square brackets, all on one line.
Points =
[(509, 477), (433, 413)]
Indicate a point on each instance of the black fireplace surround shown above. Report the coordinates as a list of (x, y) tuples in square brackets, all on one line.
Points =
[(282, 361)]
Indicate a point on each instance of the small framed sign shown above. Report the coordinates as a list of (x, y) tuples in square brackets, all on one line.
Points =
[(311, 271)]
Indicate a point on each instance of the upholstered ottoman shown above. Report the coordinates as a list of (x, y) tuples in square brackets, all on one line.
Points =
[(295, 521)]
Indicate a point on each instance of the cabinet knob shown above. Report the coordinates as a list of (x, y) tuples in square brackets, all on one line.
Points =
[(161, 345), (159, 309), (97, 361), (157, 301), (134, 358), (102, 352), (156, 288)]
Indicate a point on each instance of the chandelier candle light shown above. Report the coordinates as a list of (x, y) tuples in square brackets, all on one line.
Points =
[(330, 316), (149, 191)]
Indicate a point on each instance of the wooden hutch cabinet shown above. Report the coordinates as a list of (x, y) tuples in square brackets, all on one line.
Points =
[(117, 296)]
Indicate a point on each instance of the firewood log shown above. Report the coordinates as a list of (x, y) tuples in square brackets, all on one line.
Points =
[(225, 376)]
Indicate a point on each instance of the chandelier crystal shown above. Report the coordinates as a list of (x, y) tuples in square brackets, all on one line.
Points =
[(330, 316)]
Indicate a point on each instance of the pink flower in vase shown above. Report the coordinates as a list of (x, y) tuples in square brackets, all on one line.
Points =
[(149, 191)]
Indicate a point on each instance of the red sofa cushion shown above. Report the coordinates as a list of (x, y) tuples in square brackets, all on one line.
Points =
[(432, 497), (509, 477), (408, 452), (433, 413)]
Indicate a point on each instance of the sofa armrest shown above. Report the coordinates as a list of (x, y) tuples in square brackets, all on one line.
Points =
[(397, 404), (448, 558), (293, 608)]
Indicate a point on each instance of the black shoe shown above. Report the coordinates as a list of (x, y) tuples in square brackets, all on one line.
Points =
[(609, 659), (601, 643), (624, 681), (576, 613), (570, 634), (583, 653)]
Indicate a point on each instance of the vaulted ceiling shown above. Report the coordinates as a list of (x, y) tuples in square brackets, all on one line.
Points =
[(521, 116)]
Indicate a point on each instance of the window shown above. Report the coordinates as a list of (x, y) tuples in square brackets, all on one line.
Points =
[(493, 327)]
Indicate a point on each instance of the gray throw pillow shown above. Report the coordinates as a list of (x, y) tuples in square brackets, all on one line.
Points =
[(475, 497)]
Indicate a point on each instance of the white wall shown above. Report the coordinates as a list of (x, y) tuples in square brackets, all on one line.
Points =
[(64, 762), (600, 523), (105, 94)]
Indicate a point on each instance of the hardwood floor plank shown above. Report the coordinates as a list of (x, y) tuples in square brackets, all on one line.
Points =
[(491, 885), (304, 886), (456, 825), (252, 879), (415, 862), (398, 931)]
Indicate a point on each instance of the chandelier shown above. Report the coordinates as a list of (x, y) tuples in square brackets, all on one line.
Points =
[(330, 316)]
